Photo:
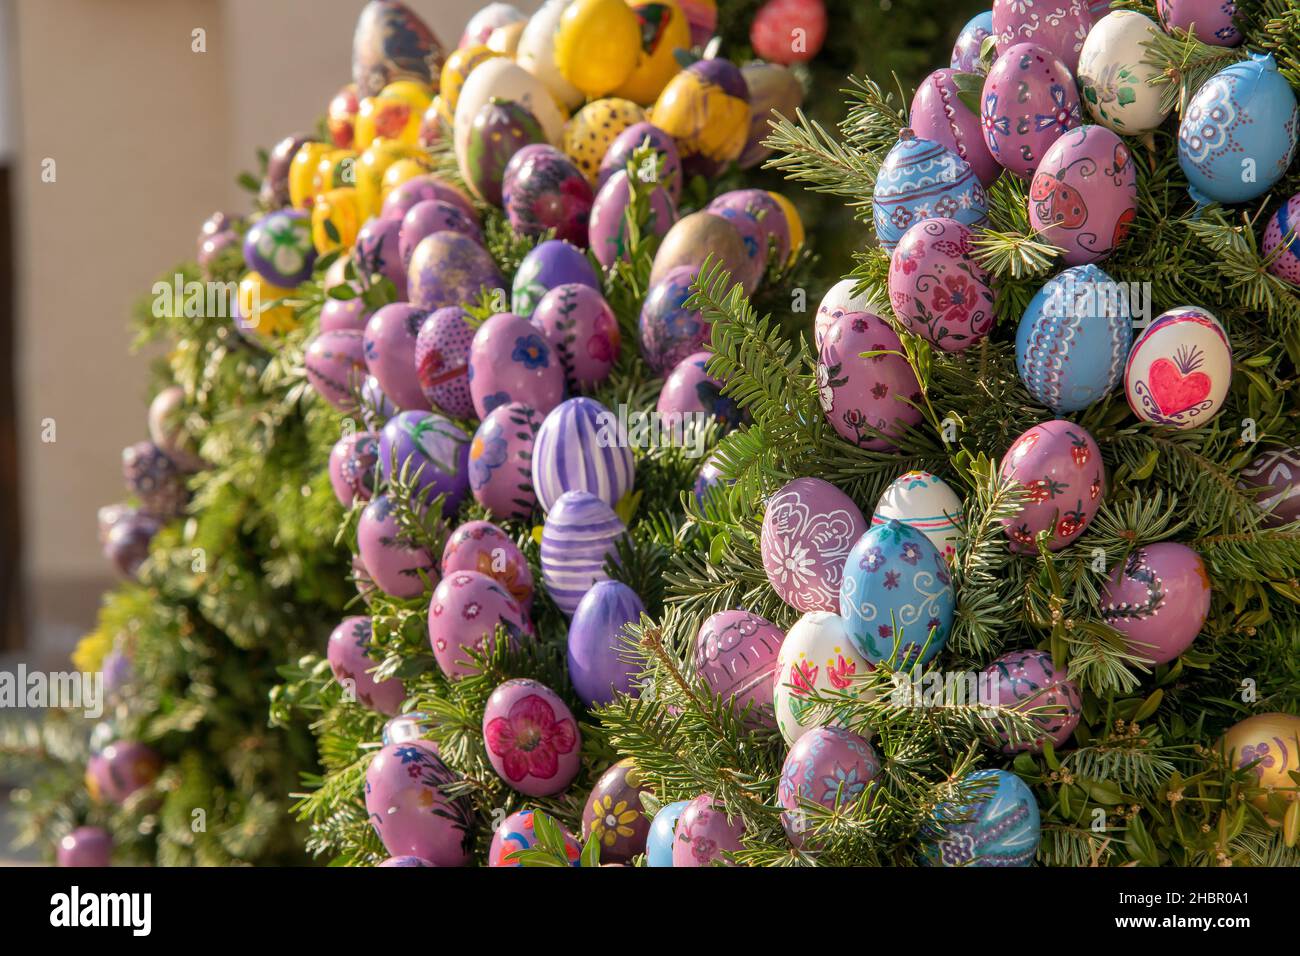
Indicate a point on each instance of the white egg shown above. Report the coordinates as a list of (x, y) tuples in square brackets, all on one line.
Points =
[(504, 79), (928, 504), (818, 656), (536, 52), (1180, 368), (1113, 78), (839, 300)]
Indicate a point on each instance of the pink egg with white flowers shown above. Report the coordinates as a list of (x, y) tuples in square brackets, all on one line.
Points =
[(464, 614), (483, 547)]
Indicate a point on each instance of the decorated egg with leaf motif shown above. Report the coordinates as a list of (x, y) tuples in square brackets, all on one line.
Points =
[(1028, 101), (809, 527), (510, 360), (872, 401), (500, 460), (937, 287), (1060, 467), (817, 659), (1113, 77), (543, 190), (1180, 368), (431, 450), (583, 329)]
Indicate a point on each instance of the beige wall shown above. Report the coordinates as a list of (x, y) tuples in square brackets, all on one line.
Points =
[(147, 137)]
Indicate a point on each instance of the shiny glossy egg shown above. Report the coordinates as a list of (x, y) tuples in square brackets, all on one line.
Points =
[(939, 115), (1283, 262), (927, 503), (1180, 368), (659, 842), (1060, 467), (581, 532), (665, 33), (504, 80), (1158, 598), (966, 51), (937, 288), (809, 527), (335, 219), (500, 460), (597, 656), (377, 254), (579, 448), (1083, 197), (838, 300), (597, 44), (870, 402), (450, 269), (1059, 26), (408, 806), (549, 264), (920, 179), (828, 767), (706, 834), (431, 451), (427, 217)]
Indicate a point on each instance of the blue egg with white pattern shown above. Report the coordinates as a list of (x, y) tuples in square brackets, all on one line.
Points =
[(1074, 339), (659, 843), (580, 447), (966, 51), (896, 596), (922, 179), (998, 826)]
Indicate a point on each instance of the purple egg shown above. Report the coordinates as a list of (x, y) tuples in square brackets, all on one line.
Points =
[(377, 252), (827, 766), (544, 190), (127, 543), (482, 546), (424, 189), (212, 247), (939, 115), (1058, 26), (710, 477), (155, 479), (430, 216), (1028, 680), (376, 407), (442, 361), (1029, 100), (966, 51), (625, 145), (405, 861), (390, 339), (279, 247), (120, 770), (581, 326), (500, 460), (704, 834), (858, 394), (353, 667), (937, 288), (759, 208), (277, 166), (1060, 465), (691, 389), (1275, 473), (809, 528), (510, 360), (532, 740), (1083, 196), (86, 846), (432, 450), (336, 366), (735, 653), (1213, 19), (1158, 598), (580, 447), (391, 561), (448, 269), (598, 667), (339, 314), (466, 609), (549, 264), (410, 810), (581, 532), (1283, 223), (614, 816), (608, 226), (352, 467), (669, 330), (169, 432)]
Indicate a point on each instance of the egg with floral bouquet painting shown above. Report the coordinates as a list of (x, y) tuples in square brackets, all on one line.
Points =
[(817, 659), (937, 287), (483, 547), (999, 826), (532, 739), (870, 401), (500, 460), (1059, 466), (1028, 681), (1180, 368), (927, 503), (614, 815), (407, 802), (518, 832), (1029, 99), (1114, 78), (809, 527)]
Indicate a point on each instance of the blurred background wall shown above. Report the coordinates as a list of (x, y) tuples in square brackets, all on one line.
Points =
[(146, 138)]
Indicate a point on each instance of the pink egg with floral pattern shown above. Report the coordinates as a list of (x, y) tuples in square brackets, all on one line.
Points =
[(1029, 681), (407, 803), (532, 738), (1060, 466), (353, 666), (352, 467), (465, 612), (336, 367), (937, 287), (1060, 26), (511, 360), (1029, 100), (390, 338), (393, 563), (809, 528), (579, 323), (483, 547), (705, 834), (939, 115), (1083, 196), (442, 361), (501, 460), (868, 401)]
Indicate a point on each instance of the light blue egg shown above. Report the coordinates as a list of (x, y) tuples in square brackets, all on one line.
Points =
[(922, 179), (659, 844), (1074, 338), (896, 596), (1238, 133), (1001, 825)]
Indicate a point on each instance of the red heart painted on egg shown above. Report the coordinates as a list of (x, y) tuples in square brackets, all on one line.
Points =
[(1175, 392)]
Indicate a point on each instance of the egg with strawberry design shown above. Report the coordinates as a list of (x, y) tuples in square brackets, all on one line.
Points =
[(1180, 368), (1059, 465)]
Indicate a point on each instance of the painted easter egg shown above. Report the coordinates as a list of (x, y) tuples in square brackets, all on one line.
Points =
[(1029, 681), (219, 253), (517, 832), (772, 89), (691, 390), (392, 562), (543, 190), (607, 228), (939, 115), (1269, 741), (500, 130), (927, 503), (837, 301), (86, 846), (126, 544), (536, 53), (483, 547), (664, 32), (869, 401), (659, 842), (511, 361), (580, 533), (756, 208), (705, 834), (1244, 114), (997, 826), (260, 312), (397, 175), (394, 113), (1211, 21), (428, 217), (828, 767), (1060, 466), (793, 224), (1114, 79), (597, 656), (532, 739), (370, 170), (338, 314), (809, 527), (896, 596), (377, 253), (1083, 196), (409, 808), (937, 287), (966, 51), (705, 108), (789, 31), (154, 478), (1059, 26), (376, 407), (1284, 225), (614, 815), (583, 329), (1073, 339), (279, 163), (1158, 598), (392, 43), (433, 453), (442, 361), (336, 367), (279, 247), (702, 15), (500, 460), (668, 163), (341, 117), (1275, 474), (448, 269), (579, 448), (1029, 99), (169, 430), (702, 235), (503, 79), (1180, 368), (488, 19), (353, 667), (301, 177), (592, 129), (405, 861), (549, 264), (455, 71), (708, 478), (735, 653), (596, 45), (121, 769), (669, 330), (465, 613), (422, 189), (919, 179), (389, 343), (352, 467)]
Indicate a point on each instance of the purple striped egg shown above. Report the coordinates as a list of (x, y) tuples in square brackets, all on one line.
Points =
[(482, 546), (377, 252), (597, 664), (669, 330), (442, 361), (510, 360), (920, 179), (580, 448), (353, 666), (352, 467), (938, 114), (336, 366), (430, 216), (1029, 99), (448, 268), (500, 460), (392, 562), (432, 450), (389, 341), (579, 323), (608, 225), (625, 145), (735, 653), (580, 533)]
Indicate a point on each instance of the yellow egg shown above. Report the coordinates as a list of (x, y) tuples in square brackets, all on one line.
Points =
[(794, 221), (394, 114), (257, 316), (456, 71), (370, 169), (664, 31), (705, 109), (335, 220), (536, 53), (302, 173), (1272, 740), (505, 40), (597, 44), (336, 168), (398, 173), (594, 127)]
